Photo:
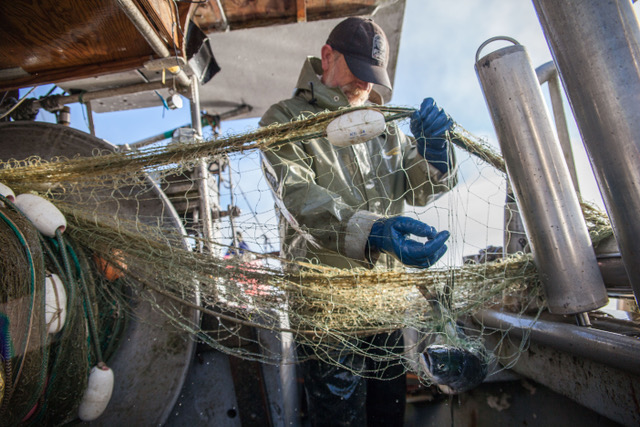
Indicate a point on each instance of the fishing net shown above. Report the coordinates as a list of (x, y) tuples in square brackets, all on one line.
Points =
[(119, 251)]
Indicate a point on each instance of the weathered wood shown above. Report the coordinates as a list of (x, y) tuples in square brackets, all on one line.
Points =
[(301, 6), (330, 9), (209, 17), (72, 73), (42, 36), (169, 19), (258, 13), (58, 40)]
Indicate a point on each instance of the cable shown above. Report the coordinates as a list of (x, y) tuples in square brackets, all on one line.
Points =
[(18, 103)]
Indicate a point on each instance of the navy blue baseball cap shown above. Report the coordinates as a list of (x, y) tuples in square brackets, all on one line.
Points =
[(365, 49)]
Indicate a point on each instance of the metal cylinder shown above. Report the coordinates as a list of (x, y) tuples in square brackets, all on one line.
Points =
[(615, 350), (542, 185), (596, 47)]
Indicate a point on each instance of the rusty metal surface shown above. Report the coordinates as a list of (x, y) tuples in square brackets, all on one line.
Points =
[(520, 402), (587, 366), (223, 390), (208, 396), (610, 392), (611, 349)]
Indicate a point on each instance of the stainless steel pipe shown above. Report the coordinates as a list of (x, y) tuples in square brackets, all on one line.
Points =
[(596, 47), (541, 182), (615, 350), (547, 73), (201, 173)]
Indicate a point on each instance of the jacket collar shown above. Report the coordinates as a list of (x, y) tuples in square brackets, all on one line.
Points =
[(310, 86)]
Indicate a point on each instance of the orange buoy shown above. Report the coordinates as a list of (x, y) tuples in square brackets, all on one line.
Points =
[(110, 271)]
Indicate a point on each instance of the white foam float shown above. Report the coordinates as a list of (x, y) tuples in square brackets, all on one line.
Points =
[(8, 193), (42, 213), (55, 309), (355, 127), (98, 393)]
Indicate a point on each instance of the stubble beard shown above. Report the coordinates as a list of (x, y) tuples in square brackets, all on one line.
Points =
[(354, 94)]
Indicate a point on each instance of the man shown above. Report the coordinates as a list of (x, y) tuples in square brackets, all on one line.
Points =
[(341, 207), (237, 248)]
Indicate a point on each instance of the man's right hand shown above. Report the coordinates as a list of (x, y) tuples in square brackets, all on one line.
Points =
[(391, 236)]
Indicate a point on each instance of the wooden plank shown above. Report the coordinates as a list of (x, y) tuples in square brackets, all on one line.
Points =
[(255, 13), (329, 9), (63, 34), (259, 13), (72, 73), (301, 6), (209, 17), (164, 17)]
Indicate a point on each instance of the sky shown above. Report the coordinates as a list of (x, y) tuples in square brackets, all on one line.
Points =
[(436, 59)]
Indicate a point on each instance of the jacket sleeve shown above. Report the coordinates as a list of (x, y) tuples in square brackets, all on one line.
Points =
[(321, 216), (425, 183)]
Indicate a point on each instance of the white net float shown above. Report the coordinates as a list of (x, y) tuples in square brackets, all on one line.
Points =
[(55, 304), (7, 192), (42, 213), (98, 393), (355, 127)]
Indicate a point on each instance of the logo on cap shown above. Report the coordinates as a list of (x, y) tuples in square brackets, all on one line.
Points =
[(378, 48)]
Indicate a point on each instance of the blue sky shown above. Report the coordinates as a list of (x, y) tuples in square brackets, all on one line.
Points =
[(436, 58)]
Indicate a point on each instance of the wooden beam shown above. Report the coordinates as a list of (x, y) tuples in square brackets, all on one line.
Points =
[(73, 73), (301, 8), (42, 36)]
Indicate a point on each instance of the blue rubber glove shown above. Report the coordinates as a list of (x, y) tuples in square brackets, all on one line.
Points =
[(429, 126), (390, 235)]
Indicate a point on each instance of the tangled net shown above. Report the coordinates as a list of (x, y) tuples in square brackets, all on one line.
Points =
[(103, 198)]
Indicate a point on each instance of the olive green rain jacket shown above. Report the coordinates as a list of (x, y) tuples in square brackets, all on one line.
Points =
[(328, 197)]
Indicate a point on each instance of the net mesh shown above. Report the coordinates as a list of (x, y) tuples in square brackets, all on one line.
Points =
[(123, 250)]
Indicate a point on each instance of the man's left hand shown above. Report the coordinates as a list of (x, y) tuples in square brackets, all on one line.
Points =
[(429, 126)]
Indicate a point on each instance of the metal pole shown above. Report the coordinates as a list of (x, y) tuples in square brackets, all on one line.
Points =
[(59, 101), (615, 350), (596, 47), (230, 209), (165, 135), (92, 126), (547, 73), (542, 185), (201, 173)]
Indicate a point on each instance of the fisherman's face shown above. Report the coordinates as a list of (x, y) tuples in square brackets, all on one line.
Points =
[(336, 73)]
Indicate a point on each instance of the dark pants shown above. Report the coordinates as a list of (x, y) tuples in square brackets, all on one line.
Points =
[(363, 391)]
